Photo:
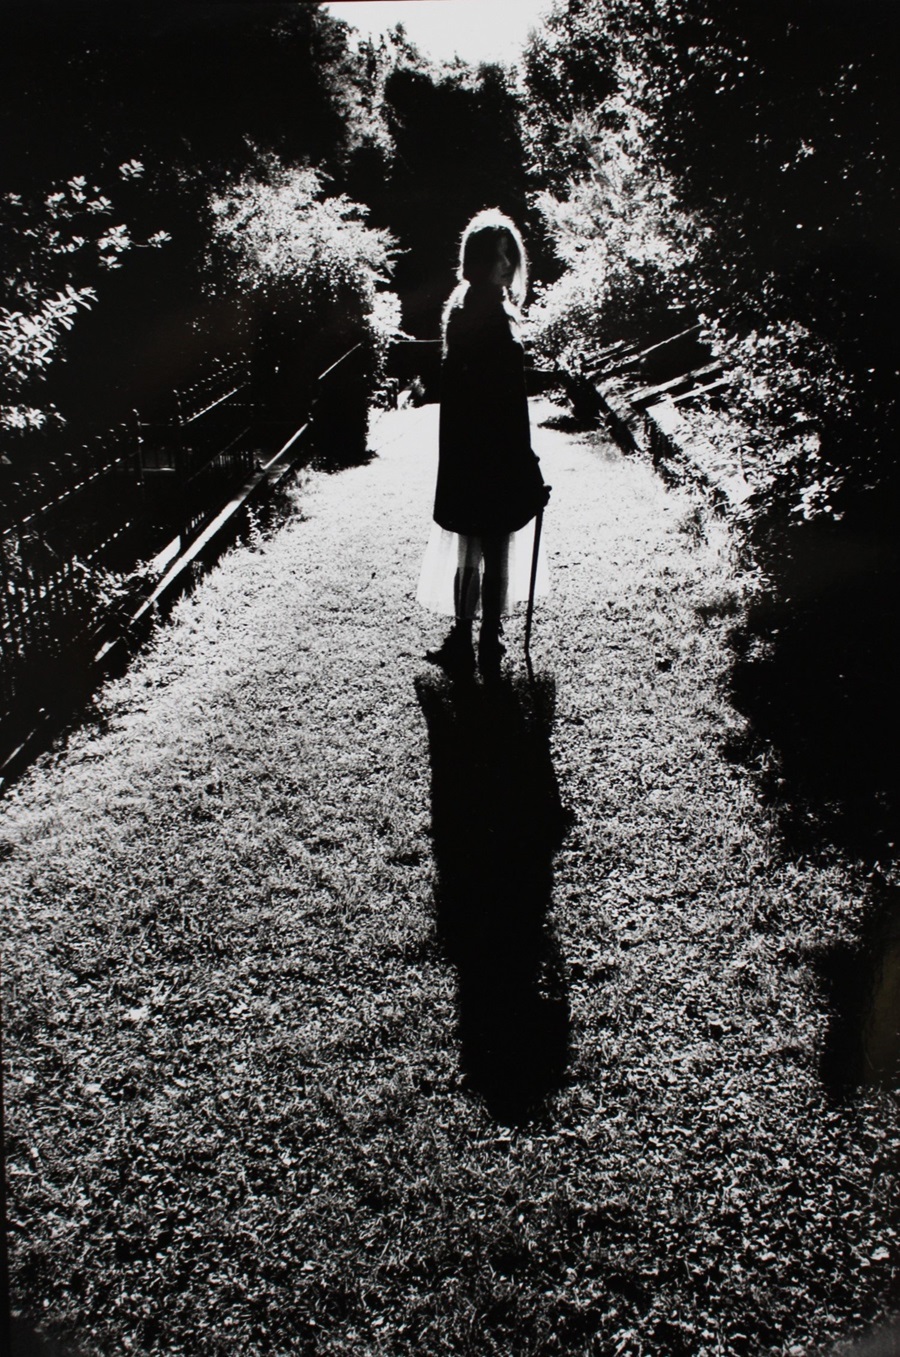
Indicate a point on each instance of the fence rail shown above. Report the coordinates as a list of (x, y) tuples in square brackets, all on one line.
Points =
[(70, 572), (642, 393)]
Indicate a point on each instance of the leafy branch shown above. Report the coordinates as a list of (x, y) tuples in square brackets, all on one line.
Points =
[(59, 246)]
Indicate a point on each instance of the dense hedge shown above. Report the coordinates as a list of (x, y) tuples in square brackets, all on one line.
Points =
[(733, 164), (303, 279), (181, 101)]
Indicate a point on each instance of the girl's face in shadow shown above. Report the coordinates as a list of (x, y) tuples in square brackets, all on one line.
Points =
[(504, 267)]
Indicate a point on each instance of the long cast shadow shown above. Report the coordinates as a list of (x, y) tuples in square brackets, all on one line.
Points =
[(497, 822)]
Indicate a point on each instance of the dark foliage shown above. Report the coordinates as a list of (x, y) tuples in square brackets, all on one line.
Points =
[(96, 80), (777, 124), (457, 149), (772, 127), (817, 671), (192, 91)]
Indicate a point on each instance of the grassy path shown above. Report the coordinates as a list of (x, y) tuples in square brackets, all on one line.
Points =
[(270, 1092)]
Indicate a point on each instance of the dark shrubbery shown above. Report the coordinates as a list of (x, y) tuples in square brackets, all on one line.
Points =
[(733, 164), (304, 280), (61, 249), (190, 92)]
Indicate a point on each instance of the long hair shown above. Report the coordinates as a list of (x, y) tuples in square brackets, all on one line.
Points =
[(477, 256), (478, 250)]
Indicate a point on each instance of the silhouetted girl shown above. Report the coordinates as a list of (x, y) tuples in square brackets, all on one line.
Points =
[(489, 484)]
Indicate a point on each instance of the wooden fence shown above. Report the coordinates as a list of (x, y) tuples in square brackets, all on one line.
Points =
[(143, 491), (201, 443), (50, 555), (642, 394)]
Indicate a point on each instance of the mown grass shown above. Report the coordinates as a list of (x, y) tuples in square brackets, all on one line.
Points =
[(289, 1070)]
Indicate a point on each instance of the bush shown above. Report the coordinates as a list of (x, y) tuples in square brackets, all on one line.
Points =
[(305, 278), (795, 404), (704, 158), (626, 247)]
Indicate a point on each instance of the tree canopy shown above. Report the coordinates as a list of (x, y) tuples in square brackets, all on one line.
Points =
[(735, 162), (669, 159), (192, 94)]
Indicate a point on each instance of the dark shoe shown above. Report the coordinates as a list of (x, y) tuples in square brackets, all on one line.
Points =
[(456, 656)]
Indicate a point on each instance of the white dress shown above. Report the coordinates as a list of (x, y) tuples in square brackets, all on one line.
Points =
[(449, 552)]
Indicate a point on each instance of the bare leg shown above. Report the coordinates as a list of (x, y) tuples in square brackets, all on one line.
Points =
[(456, 655), (465, 594), (490, 648)]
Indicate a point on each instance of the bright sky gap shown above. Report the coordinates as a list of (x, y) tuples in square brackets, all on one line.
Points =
[(476, 30)]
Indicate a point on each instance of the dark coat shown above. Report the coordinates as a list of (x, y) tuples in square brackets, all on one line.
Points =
[(488, 478)]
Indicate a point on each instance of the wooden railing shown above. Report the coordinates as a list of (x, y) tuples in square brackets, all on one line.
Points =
[(201, 440), (162, 491), (641, 394)]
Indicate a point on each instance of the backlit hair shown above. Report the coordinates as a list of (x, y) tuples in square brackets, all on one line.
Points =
[(478, 251)]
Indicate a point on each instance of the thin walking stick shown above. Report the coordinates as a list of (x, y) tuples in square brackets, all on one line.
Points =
[(538, 521)]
